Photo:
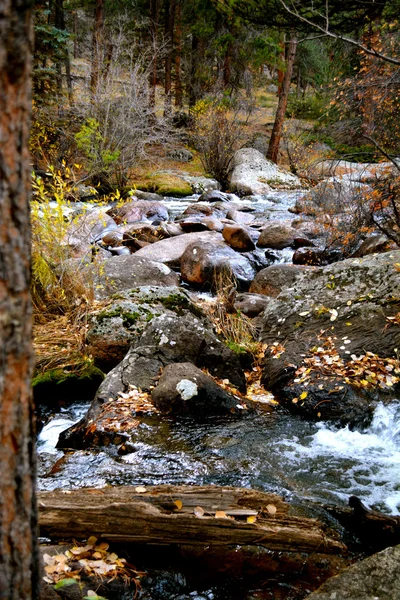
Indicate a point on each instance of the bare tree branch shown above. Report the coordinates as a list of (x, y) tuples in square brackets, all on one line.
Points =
[(327, 32)]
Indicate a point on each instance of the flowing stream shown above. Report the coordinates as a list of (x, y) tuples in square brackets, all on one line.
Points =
[(268, 451)]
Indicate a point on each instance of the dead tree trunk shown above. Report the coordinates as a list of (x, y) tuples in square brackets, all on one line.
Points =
[(193, 516), (276, 135), (18, 546)]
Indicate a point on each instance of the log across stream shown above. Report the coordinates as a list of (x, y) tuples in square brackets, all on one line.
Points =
[(222, 530)]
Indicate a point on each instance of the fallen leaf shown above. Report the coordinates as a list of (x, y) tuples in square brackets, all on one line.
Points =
[(140, 489), (251, 519), (178, 504), (198, 511), (271, 508), (220, 514)]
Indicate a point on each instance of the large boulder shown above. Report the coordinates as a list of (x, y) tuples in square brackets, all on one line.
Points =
[(271, 280), (202, 262), (167, 339), (121, 273), (116, 326), (139, 210), (184, 389), (325, 333), (238, 238), (374, 578), (279, 236), (252, 174), (170, 251)]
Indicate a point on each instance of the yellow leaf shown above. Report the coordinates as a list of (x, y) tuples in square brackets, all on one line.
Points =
[(271, 508), (92, 540), (178, 504), (251, 519), (303, 395)]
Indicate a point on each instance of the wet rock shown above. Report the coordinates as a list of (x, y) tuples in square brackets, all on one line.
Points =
[(141, 233), (87, 228), (250, 305), (141, 195), (139, 210), (341, 310), (279, 236), (316, 256), (167, 339), (200, 223), (238, 216), (252, 173), (201, 262), (114, 328), (170, 251), (215, 196), (205, 210), (238, 238), (183, 389), (122, 273), (113, 238), (170, 229), (375, 577), (271, 280)]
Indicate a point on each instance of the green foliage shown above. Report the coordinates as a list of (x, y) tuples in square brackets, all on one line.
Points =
[(65, 582), (91, 141), (49, 51), (307, 107)]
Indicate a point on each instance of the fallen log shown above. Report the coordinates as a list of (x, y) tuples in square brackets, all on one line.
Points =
[(221, 531), (208, 515)]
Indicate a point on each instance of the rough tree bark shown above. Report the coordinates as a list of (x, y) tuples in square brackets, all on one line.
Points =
[(18, 545), (273, 148)]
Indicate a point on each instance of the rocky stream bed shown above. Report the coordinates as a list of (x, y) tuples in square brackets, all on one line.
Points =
[(325, 324)]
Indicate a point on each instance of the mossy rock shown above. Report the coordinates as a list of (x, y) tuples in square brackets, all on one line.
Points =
[(164, 184), (59, 385), (120, 324)]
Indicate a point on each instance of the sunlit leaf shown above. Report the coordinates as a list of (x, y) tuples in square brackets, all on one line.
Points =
[(140, 489), (198, 511), (251, 519), (64, 582), (271, 508), (178, 504)]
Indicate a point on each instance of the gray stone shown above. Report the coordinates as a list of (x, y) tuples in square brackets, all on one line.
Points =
[(169, 251), (184, 389), (374, 578), (121, 273), (252, 173)]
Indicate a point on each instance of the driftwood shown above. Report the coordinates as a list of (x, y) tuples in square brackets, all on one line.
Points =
[(167, 515)]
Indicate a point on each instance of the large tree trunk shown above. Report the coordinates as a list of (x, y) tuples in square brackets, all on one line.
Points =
[(273, 148), (18, 546)]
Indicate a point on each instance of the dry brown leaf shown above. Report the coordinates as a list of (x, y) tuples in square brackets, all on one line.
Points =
[(271, 508)]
